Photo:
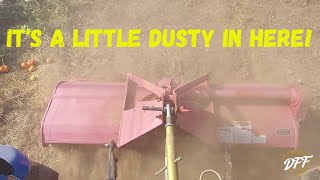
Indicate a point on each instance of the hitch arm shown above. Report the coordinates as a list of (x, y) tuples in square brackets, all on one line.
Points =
[(112, 161)]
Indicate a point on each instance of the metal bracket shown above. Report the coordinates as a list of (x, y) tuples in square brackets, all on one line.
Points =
[(112, 160), (165, 168), (240, 133)]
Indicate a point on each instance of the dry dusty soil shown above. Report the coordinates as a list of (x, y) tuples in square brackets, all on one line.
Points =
[(23, 101)]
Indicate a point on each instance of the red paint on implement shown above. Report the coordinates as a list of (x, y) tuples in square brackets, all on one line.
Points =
[(91, 112), (147, 85), (268, 107), (134, 121), (83, 113), (97, 112)]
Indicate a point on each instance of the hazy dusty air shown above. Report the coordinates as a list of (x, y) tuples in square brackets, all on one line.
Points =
[(23, 100)]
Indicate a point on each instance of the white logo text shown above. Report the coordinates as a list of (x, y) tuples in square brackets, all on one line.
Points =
[(293, 162)]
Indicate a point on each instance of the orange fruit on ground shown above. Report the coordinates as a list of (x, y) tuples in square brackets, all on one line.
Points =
[(4, 69), (31, 62), (32, 68), (24, 65)]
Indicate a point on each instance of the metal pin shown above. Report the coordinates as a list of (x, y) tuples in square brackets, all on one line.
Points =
[(164, 168)]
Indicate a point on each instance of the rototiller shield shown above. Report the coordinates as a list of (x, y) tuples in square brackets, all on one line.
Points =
[(82, 112)]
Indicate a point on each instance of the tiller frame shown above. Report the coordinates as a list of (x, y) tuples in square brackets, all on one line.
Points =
[(263, 115)]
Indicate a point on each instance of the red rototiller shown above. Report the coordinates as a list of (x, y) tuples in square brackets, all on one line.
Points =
[(116, 113)]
